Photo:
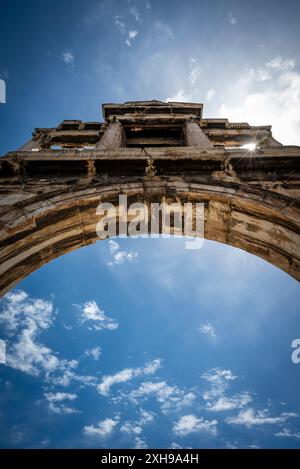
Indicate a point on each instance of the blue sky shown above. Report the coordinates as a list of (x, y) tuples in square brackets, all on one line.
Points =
[(132, 343), (241, 59), (142, 343)]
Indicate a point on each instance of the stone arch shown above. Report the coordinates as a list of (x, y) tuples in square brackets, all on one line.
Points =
[(39, 223)]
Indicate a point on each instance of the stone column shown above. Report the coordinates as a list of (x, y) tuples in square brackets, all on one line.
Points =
[(195, 137), (113, 137)]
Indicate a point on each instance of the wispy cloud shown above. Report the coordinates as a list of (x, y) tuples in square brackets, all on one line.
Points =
[(210, 94), (164, 28), (287, 433), (134, 12), (120, 24), (207, 328), (215, 398), (281, 64), (191, 88), (140, 443), (2, 91), (126, 375), (94, 352), (180, 96), (131, 428), (92, 314), (56, 402), (68, 57), (170, 398), (134, 429), (218, 379), (232, 19), (250, 417), (119, 256), (67, 376), (224, 403), (2, 351), (195, 74)]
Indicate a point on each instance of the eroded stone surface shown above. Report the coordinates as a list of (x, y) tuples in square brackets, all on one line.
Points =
[(48, 198)]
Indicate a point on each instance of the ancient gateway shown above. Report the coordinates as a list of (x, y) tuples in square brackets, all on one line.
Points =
[(149, 151)]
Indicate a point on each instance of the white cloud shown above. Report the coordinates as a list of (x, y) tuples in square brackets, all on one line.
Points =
[(136, 428), (131, 428), (170, 398), (146, 417), (30, 356), (119, 23), (68, 376), (135, 13), (210, 94), (186, 94), (286, 433), (280, 64), (121, 377), (131, 36), (259, 75), (95, 316), (68, 57), (113, 246), (232, 19), (194, 75), (139, 443), (207, 328), (118, 255), (180, 96), (2, 351), (94, 352), (250, 418), (60, 396), (2, 91), (164, 28), (190, 424), (18, 310), (277, 104), (56, 402), (229, 403), (218, 379), (102, 429), (126, 375), (175, 446), (26, 318)]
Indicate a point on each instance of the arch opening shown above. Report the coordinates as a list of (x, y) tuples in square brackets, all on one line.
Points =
[(38, 226)]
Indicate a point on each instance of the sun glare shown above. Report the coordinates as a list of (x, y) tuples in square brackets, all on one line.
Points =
[(249, 146)]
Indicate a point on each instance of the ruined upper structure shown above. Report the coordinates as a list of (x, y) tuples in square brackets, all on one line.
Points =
[(50, 188), (142, 124)]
